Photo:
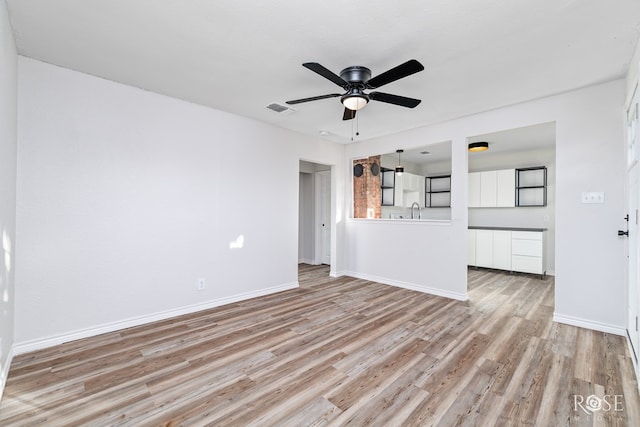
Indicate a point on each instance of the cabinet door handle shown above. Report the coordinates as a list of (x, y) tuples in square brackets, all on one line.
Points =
[(623, 233)]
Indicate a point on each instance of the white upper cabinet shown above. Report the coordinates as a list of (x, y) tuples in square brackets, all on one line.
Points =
[(488, 186), (474, 190), (491, 189), (506, 188), (409, 188)]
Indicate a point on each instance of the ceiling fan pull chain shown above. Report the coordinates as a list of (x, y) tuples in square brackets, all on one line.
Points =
[(351, 130)]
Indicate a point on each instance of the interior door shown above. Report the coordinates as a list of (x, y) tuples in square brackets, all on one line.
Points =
[(632, 254), (633, 244), (324, 217)]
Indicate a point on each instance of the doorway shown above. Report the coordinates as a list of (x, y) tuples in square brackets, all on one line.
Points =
[(314, 214), (511, 200)]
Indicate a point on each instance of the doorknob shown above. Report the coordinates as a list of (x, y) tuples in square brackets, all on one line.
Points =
[(623, 233)]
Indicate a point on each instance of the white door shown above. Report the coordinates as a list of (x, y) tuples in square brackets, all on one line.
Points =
[(632, 254), (323, 198), (633, 201)]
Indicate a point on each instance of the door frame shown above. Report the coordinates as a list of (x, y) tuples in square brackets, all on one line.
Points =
[(319, 226)]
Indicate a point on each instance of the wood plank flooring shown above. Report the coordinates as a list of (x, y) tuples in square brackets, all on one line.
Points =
[(339, 352)]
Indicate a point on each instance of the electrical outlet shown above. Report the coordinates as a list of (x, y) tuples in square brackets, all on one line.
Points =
[(201, 284)]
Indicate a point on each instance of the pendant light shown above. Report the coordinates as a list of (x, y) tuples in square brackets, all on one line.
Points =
[(399, 168)]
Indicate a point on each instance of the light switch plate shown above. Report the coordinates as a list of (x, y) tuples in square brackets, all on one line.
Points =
[(593, 197)]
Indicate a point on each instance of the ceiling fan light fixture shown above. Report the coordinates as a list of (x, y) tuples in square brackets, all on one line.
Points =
[(478, 146), (354, 100)]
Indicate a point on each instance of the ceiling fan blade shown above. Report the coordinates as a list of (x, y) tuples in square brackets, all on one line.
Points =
[(394, 99), (349, 114), (313, 98), (403, 70), (326, 73)]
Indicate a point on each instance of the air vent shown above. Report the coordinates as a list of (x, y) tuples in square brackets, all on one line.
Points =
[(281, 109)]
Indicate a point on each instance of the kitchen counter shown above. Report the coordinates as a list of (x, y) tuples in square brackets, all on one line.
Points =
[(506, 228)]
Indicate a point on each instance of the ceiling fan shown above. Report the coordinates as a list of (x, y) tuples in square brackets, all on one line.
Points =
[(356, 79)]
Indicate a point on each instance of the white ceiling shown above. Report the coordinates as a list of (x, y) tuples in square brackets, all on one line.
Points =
[(240, 56)]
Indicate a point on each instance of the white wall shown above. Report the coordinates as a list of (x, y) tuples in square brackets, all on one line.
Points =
[(590, 260), (633, 74), (126, 197), (8, 138)]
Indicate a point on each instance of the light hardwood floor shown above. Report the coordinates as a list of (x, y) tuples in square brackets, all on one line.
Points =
[(337, 352)]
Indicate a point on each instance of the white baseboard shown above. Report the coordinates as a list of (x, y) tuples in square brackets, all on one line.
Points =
[(333, 273), (307, 261), (38, 344), (4, 372), (411, 286), (589, 324)]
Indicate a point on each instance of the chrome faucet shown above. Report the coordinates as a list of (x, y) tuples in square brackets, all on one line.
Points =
[(416, 205)]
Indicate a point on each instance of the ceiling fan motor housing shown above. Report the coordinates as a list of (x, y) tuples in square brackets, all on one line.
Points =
[(356, 74)]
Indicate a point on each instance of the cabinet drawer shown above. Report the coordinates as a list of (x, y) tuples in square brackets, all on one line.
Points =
[(526, 247), (527, 264), (527, 235)]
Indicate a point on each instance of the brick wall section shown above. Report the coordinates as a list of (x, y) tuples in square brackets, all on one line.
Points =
[(367, 195)]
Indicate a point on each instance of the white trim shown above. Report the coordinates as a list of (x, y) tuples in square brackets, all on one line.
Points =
[(410, 286), (589, 324), (335, 274), (5, 371), (38, 344), (307, 261)]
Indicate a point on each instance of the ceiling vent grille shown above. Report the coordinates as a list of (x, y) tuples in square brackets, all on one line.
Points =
[(281, 109)]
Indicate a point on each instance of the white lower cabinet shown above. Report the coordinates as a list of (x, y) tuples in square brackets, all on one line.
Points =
[(492, 249), (502, 249), (484, 248), (471, 247), (511, 250), (528, 255)]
